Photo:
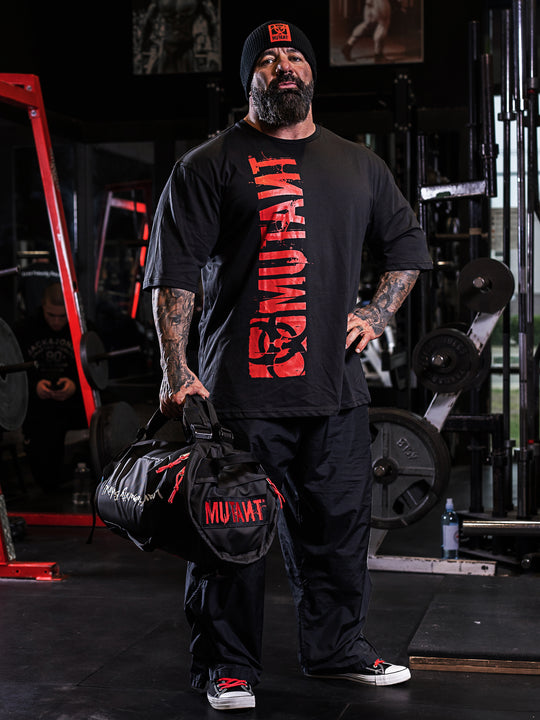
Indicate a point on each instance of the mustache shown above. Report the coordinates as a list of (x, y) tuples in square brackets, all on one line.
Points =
[(286, 77)]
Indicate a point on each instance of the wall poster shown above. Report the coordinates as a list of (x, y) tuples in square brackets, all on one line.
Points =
[(366, 32), (176, 36)]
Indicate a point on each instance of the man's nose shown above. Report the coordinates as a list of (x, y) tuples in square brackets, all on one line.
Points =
[(283, 64)]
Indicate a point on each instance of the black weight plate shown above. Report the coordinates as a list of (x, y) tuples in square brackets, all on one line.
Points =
[(486, 285), (13, 386), (446, 360), (411, 467), (112, 428), (96, 371), (484, 361)]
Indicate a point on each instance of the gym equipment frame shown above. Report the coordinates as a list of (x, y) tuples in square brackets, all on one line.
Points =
[(24, 91)]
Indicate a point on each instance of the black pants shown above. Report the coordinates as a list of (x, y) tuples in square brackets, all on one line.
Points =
[(45, 428), (322, 466)]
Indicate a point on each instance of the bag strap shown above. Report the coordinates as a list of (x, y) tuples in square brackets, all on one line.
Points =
[(237, 458), (156, 422), (201, 421)]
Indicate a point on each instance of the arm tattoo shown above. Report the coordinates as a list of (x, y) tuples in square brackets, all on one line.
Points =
[(173, 311), (393, 288)]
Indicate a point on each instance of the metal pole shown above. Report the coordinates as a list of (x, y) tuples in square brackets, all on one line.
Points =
[(531, 91), (523, 452), (506, 116), (503, 527), (489, 148), (423, 218), (475, 233)]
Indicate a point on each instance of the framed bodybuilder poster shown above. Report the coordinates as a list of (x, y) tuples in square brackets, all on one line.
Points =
[(366, 32), (176, 36)]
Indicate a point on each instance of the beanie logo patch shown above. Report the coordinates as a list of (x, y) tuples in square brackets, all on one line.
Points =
[(279, 32)]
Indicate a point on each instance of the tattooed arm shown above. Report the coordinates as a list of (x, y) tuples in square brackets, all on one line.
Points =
[(173, 311), (368, 322)]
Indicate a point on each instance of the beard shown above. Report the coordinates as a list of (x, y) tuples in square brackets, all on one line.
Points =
[(281, 108)]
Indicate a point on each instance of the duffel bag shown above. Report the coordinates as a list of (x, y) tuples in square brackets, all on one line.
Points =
[(202, 499)]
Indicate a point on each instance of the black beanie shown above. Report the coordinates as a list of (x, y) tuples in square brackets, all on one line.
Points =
[(270, 34)]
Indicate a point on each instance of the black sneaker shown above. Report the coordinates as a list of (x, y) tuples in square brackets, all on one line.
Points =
[(230, 694), (380, 673)]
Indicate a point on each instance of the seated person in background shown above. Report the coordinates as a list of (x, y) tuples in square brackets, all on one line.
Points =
[(55, 402), (33, 279)]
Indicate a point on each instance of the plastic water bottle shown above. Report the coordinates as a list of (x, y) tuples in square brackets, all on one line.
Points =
[(83, 484), (450, 531)]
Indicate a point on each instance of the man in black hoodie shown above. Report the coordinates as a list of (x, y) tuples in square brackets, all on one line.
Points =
[(55, 402)]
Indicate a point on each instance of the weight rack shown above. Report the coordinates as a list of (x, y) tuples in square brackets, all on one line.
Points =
[(407, 455), (519, 105)]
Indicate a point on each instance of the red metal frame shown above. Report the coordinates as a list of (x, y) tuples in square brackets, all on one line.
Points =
[(25, 91), (58, 519), (133, 206), (30, 570), (11, 568)]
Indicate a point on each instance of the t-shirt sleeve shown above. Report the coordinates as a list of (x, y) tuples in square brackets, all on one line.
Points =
[(394, 236), (184, 231)]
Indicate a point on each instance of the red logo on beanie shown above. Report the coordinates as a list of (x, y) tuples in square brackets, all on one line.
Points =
[(279, 32)]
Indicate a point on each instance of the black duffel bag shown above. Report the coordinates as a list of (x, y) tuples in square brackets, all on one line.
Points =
[(203, 499)]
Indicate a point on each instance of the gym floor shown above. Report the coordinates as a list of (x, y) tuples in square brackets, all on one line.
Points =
[(109, 640)]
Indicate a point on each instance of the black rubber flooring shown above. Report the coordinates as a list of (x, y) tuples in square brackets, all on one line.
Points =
[(492, 619), (109, 642)]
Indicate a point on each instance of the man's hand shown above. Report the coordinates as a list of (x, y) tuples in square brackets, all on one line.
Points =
[(62, 390), (363, 323), (368, 322), (44, 390), (65, 388), (173, 396)]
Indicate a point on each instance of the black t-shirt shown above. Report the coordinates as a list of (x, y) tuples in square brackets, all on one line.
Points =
[(277, 228)]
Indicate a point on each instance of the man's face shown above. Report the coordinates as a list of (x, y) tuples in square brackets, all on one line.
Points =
[(55, 316), (282, 87)]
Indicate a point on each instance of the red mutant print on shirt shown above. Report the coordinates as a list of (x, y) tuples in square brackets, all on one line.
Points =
[(278, 332), (279, 32)]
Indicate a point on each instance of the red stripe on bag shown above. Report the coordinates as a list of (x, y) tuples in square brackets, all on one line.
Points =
[(179, 479), (280, 496), (179, 476), (172, 464)]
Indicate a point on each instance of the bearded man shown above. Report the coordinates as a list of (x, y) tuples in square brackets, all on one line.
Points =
[(274, 213)]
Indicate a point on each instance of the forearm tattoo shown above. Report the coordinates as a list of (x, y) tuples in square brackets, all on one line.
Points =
[(393, 288), (173, 311)]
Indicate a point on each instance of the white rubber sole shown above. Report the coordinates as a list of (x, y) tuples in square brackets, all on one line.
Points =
[(393, 678), (231, 701)]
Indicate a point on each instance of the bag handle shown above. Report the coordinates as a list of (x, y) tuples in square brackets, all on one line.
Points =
[(201, 420)]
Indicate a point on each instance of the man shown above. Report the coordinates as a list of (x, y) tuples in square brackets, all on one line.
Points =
[(377, 16), (180, 25), (55, 403), (275, 211)]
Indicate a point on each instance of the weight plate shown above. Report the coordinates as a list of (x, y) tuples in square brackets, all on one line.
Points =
[(95, 367), (486, 285), (411, 467), (446, 360), (13, 386), (112, 428), (484, 361)]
